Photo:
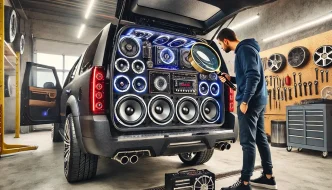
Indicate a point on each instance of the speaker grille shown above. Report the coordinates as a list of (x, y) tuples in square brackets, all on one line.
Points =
[(129, 47), (210, 110), (130, 110), (139, 84), (122, 65), (161, 110), (187, 110)]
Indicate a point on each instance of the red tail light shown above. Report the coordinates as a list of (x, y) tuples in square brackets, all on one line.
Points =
[(231, 100), (97, 94)]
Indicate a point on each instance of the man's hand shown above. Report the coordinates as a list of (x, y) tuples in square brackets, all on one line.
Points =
[(223, 78), (244, 108)]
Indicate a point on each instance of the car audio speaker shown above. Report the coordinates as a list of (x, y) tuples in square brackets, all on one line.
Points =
[(139, 84), (215, 89), (159, 82), (121, 83), (161, 110), (184, 63), (129, 47), (210, 110), (166, 56), (122, 65), (203, 88), (130, 110), (187, 110), (138, 66)]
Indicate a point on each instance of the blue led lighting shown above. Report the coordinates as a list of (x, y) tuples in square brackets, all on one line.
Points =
[(189, 44), (139, 91), (199, 88), (145, 33), (182, 41), (170, 53), (118, 69), (132, 66), (139, 46), (117, 78), (162, 36), (218, 89)]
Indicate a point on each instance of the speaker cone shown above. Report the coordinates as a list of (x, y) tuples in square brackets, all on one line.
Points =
[(138, 66), (122, 65), (139, 84), (129, 47), (160, 83), (130, 110), (214, 88), (161, 109), (187, 110), (203, 88), (210, 110), (122, 83)]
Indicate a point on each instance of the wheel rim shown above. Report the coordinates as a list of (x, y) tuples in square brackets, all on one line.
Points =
[(188, 156), (66, 147)]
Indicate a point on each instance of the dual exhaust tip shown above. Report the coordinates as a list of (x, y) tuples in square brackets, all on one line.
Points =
[(223, 146), (125, 159)]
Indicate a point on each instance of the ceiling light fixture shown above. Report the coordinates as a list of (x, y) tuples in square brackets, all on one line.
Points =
[(301, 27), (251, 19), (92, 2), (80, 32)]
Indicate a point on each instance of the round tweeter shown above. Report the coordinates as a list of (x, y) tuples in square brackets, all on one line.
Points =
[(187, 110), (161, 110), (129, 47), (210, 110), (215, 89), (122, 83), (203, 88), (160, 83), (139, 84), (138, 66), (122, 65), (167, 56), (130, 110)]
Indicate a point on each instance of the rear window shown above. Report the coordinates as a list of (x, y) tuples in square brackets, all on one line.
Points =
[(90, 55)]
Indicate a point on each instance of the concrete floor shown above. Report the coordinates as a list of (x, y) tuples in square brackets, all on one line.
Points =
[(43, 168)]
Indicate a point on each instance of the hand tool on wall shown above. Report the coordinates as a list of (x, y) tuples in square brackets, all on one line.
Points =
[(316, 69), (310, 88), (300, 88), (277, 80), (294, 75), (279, 105), (316, 87), (295, 90), (285, 92), (269, 93), (300, 77), (283, 82), (270, 80), (278, 93), (305, 88), (288, 80), (322, 73), (290, 93), (274, 87), (276, 105), (282, 96), (327, 75)]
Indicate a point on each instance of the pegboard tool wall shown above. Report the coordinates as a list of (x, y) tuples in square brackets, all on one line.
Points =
[(308, 74)]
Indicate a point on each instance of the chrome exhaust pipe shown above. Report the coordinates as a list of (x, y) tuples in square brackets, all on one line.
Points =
[(228, 146), (124, 160), (221, 146), (134, 159)]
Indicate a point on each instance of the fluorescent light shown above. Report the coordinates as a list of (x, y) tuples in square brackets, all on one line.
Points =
[(301, 27), (237, 26), (80, 32), (87, 14)]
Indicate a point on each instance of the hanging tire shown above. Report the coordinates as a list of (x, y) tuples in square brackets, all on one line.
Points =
[(19, 43), (55, 135), (8, 87), (78, 166), (11, 24), (196, 158)]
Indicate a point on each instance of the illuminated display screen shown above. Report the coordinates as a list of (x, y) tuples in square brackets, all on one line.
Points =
[(185, 83)]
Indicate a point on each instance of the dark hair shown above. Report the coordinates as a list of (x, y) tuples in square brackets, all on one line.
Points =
[(228, 34)]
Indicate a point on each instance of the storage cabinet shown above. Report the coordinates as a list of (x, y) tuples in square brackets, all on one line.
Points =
[(310, 127)]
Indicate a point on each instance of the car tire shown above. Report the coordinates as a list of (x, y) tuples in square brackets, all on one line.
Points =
[(11, 24), (78, 166), (198, 158), (19, 43), (55, 135)]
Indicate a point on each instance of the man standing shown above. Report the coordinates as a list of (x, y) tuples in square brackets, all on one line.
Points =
[(252, 98)]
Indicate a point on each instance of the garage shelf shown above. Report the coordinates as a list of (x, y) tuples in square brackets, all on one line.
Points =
[(9, 57)]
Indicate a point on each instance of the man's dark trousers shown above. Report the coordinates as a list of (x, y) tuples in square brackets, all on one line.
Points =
[(251, 133)]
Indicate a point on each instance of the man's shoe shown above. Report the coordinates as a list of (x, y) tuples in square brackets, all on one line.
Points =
[(239, 185), (264, 182)]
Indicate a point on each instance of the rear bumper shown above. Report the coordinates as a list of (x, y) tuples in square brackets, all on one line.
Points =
[(98, 140)]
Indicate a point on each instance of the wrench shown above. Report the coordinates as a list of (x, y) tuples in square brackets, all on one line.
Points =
[(295, 90), (285, 91), (290, 93), (278, 93), (300, 74), (327, 75), (316, 87), (316, 69), (322, 73), (310, 88), (294, 75), (300, 88), (305, 88), (270, 80)]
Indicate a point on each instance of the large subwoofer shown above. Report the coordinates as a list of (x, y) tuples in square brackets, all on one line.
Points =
[(187, 110), (161, 110), (129, 47), (210, 110), (130, 110)]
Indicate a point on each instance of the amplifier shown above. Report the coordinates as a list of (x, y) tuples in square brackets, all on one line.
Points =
[(190, 179), (185, 83)]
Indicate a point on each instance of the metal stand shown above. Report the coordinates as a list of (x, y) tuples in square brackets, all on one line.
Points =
[(8, 56)]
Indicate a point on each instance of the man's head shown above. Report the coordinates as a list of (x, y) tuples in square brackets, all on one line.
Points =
[(227, 39)]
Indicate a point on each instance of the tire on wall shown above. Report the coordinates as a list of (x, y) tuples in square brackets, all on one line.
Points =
[(11, 24), (78, 166), (55, 135), (197, 158), (8, 87), (19, 43)]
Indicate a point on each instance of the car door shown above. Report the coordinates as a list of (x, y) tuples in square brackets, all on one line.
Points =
[(40, 95)]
